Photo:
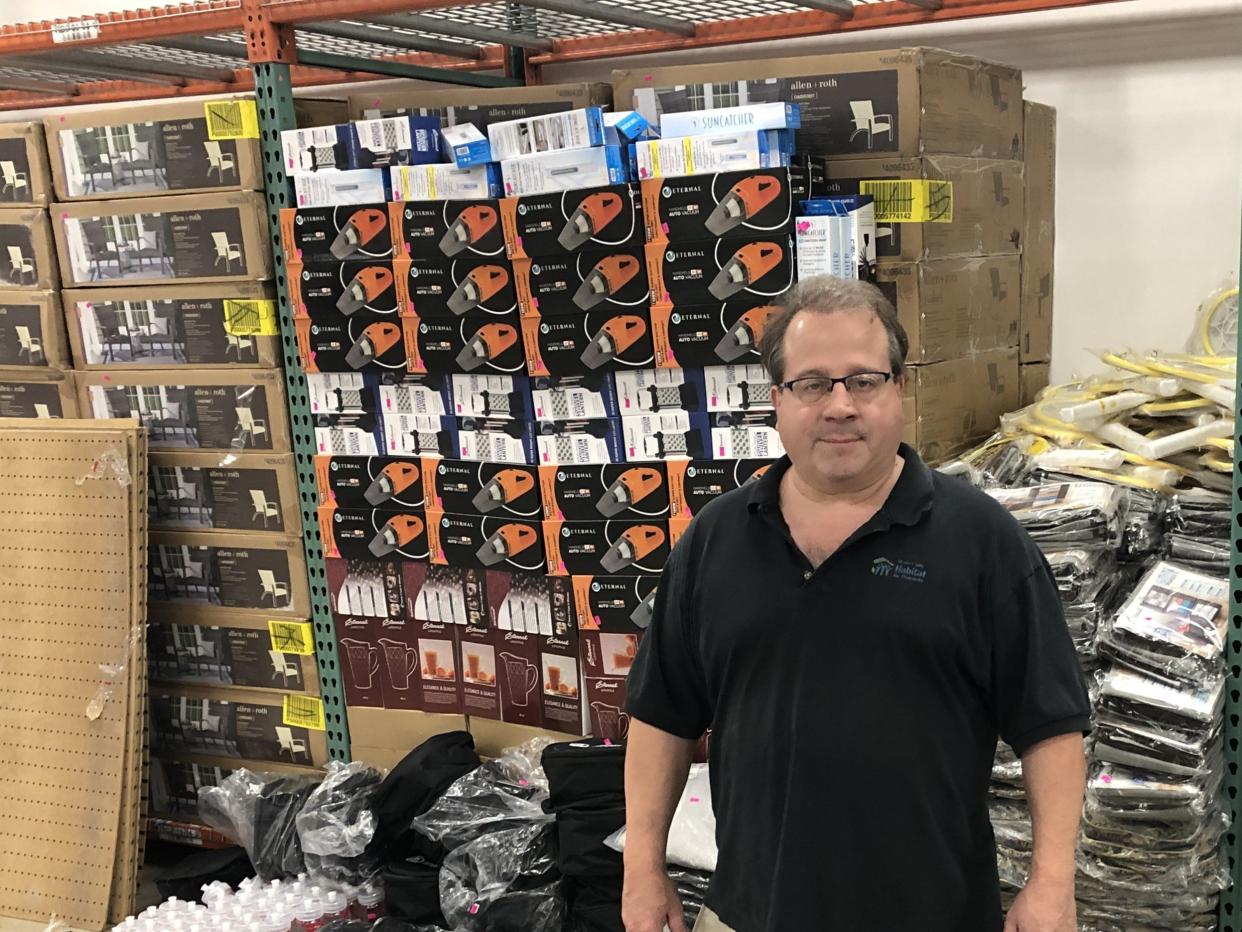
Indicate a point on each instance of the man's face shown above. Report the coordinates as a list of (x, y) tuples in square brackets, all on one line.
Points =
[(841, 439)]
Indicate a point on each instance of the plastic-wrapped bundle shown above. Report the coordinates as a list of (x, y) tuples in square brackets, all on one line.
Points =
[(1065, 515), (1199, 522), (692, 835), (691, 886), (504, 881), (260, 811), (336, 824), (1007, 466), (486, 800)]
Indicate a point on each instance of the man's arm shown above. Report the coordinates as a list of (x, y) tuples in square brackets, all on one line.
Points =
[(656, 766), (1055, 773)]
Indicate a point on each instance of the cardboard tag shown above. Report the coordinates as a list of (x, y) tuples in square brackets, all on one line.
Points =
[(303, 712), (910, 201), (292, 637), (231, 119), (250, 318)]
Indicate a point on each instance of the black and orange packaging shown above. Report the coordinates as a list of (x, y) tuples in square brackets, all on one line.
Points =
[(565, 222), (598, 341), (462, 487), (483, 343), (361, 343), (332, 234), (451, 288), (322, 289), (486, 542), (743, 272), (726, 205), (619, 546), (459, 229), (597, 493), (694, 483), (586, 281), (687, 337), (373, 534), (370, 481)]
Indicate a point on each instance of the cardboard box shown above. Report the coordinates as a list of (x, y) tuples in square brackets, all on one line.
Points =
[(157, 240), (27, 254), (457, 229), (206, 569), (370, 481), (436, 604), (954, 307), (368, 588), (564, 171), (667, 435), (383, 737), (587, 548), (465, 146), (961, 400), (1039, 233), (486, 542), (580, 442), (233, 412), (571, 397), (373, 534), (252, 492), (651, 391), (475, 342), (444, 182), (496, 490), (750, 435), (613, 602), (551, 132), (606, 697), (337, 290), (362, 342), (231, 723), (738, 388), (148, 149), (384, 142), (492, 396), (319, 111), (25, 177), (596, 342), (233, 651), (727, 205), (38, 393), (32, 330), (164, 327), (614, 279), (677, 156), (340, 188), (482, 106), (597, 493), (985, 203), (748, 272), (708, 335), (897, 102), (1032, 379), (491, 738), (694, 483), (555, 225), (446, 289), (334, 234)]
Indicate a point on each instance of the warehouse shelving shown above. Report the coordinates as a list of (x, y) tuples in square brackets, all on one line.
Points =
[(273, 46)]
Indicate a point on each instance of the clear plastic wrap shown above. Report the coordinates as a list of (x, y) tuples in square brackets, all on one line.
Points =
[(504, 881), (260, 811), (1006, 466), (336, 824), (502, 793), (692, 835), (1067, 514)]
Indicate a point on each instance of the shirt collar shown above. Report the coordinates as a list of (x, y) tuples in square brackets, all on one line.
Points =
[(909, 500)]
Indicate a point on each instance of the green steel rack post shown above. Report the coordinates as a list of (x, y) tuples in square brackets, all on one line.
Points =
[(1231, 899)]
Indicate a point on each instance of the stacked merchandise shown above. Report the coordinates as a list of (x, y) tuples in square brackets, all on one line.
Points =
[(162, 239)]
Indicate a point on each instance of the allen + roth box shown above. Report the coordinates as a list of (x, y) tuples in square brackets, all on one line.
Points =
[(897, 102), (564, 171), (25, 177), (492, 396), (1039, 237), (750, 272), (596, 493), (1032, 379), (939, 206), (726, 205), (370, 481), (499, 490), (453, 229), (612, 602), (38, 393), (362, 342), (483, 106), (954, 307), (334, 234), (167, 326), (486, 542), (961, 400), (580, 443), (608, 340), (32, 330), (232, 412), (337, 289), (259, 573), (610, 279), (156, 240), (237, 650), (616, 546), (687, 336), (449, 288), (694, 483), (373, 534), (554, 225), (476, 342), (151, 148), (253, 492), (27, 250)]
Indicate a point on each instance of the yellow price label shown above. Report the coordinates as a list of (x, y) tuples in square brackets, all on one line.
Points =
[(911, 201), (292, 637), (303, 712), (250, 318), (231, 119)]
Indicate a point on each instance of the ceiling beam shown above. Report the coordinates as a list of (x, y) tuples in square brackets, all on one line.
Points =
[(622, 16), (396, 40), (840, 7), (35, 85), (448, 27), (400, 69)]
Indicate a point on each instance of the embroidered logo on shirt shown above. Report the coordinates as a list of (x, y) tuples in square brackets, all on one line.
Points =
[(898, 569)]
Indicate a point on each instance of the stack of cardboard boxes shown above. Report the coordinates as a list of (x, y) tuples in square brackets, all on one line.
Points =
[(1038, 240), (163, 246)]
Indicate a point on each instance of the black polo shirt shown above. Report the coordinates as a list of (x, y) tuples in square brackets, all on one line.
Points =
[(855, 706)]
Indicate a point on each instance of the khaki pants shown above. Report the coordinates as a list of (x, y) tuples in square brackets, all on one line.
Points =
[(709, 922)]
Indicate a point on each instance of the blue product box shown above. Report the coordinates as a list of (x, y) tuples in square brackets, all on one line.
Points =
[(319, 149), (401, 140), (465, 146), (620, 129)]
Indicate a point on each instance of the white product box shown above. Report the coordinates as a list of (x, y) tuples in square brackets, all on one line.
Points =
[(465, 146), (400, 140), (744, 441), (412, 398), (731, 119), (738, 388), (564, 171), (330, 189), (443, 182), (551, 132), (836, 236), (707, 154), (318, 149)]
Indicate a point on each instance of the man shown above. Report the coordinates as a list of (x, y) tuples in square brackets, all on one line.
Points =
[(856, 629)]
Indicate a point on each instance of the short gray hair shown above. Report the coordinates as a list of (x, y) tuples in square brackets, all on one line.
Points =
[(826, 294)]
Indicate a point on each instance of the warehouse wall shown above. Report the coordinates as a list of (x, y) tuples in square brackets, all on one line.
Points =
[(1150, 171)]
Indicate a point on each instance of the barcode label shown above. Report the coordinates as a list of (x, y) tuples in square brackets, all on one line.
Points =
[(911, 201), (231, 119), (250, 318), (303, 712), (292, 637), (80, 30)]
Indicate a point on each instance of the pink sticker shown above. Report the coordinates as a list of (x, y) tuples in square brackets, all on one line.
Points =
[(607, 742), (474, 909), (664, 227), (534, 302), (523, 783), (695, 799), (62, 118), (299, 254), (1106, 778), (64, 216), (107, 378)]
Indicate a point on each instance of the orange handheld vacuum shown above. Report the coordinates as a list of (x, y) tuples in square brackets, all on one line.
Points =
[(631, 487), (487, 344), (746, 334), (507, 542), (398, 531), (633, 545), (481, 283), (593, 214), (471, 225), (376, 340), (641, 616), (364, 288), (506, 486), (393, 479), (744, 200), (744, 268), (613, 339), (610, 275), (363, 226)]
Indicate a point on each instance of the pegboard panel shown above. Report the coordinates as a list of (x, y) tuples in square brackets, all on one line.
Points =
[(275, 103), (72, 577)]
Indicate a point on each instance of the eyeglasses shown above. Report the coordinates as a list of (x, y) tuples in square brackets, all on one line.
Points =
[(813, 389)]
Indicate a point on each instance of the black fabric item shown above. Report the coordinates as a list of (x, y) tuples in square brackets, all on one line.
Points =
[(412, 891), (595, 907), (416, 783), (387, 924), (580, 837), (186, 879), (348, 799), (505, 881), (939, 606), (584, 772), (278, 853)]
